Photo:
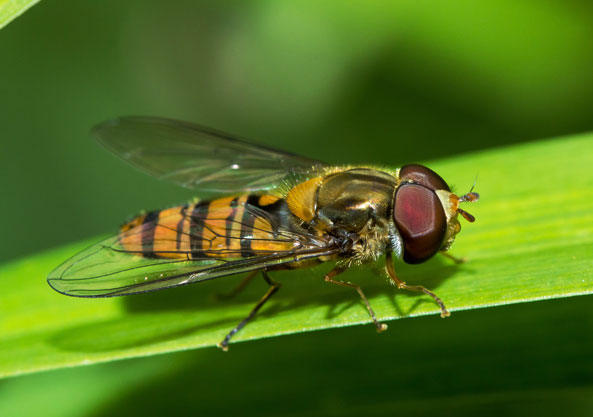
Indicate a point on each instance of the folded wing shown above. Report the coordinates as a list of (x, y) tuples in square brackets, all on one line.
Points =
[(128, 263)]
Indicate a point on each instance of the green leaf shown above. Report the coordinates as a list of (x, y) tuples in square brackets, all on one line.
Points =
[(532, 240), (520, 360), (11, 9)]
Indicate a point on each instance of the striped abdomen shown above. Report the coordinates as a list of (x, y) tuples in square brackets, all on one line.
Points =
[(230, 227)]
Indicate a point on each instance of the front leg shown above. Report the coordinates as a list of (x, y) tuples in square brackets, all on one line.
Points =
[(403, 286)]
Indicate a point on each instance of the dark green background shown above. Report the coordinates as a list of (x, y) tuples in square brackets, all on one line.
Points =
[(376, 82)]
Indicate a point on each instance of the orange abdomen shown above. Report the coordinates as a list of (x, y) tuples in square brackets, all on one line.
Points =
[(229, 227)]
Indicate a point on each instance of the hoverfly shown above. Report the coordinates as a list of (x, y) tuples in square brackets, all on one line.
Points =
[(281, 211)]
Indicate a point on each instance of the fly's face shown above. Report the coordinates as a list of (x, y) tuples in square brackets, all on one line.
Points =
[(425, 213)]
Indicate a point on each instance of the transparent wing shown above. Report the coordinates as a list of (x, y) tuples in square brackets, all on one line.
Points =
[(197, 157), (118, 266)]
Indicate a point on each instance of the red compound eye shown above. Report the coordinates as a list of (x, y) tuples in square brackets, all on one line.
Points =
[(420, 220), (422, 175)]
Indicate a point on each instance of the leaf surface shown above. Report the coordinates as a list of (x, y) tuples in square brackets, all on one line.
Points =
[(532, 240)]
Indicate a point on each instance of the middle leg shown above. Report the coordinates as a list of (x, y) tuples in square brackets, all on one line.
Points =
[(338, 270)]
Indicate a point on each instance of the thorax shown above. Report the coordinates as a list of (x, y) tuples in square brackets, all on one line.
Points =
[(354, 205)]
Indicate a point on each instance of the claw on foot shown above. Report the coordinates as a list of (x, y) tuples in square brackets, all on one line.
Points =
[(381, 327)]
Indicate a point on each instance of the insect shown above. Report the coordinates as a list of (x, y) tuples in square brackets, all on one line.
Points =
[(278, 211)]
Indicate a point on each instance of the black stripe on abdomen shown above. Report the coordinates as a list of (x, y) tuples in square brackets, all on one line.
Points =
[(247, 223), (228, 224), (149, 224), (196, 229), (180, 226)]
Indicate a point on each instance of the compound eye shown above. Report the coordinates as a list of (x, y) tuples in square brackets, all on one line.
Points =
[(420, 219), (422, 175)]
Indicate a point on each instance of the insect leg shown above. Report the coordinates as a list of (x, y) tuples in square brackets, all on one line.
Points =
[(402, 285), (239, 287), (338, 270), (274, 286), (453, 258)]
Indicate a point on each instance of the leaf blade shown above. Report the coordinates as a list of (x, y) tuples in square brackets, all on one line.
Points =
[(533, 240), (11, 9)]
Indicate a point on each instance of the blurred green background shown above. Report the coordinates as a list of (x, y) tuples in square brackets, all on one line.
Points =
[(344, 81)]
